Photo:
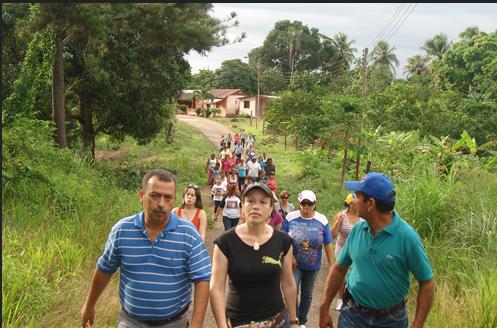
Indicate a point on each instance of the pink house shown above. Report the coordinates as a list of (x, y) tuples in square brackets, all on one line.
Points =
[(248, 105), (227, 100)]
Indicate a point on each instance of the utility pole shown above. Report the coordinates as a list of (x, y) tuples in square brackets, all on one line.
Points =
[(258, 91), (363, 95)]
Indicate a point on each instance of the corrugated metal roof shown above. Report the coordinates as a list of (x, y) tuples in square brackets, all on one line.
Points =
[(223, 93)]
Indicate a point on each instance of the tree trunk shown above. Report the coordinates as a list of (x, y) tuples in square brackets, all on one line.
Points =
[(58, 95), (88, 131)]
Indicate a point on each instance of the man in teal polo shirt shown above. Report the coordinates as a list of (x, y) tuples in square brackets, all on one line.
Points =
[(383, 249)]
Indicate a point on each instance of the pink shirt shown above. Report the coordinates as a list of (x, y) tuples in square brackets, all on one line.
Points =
[(275, 219)]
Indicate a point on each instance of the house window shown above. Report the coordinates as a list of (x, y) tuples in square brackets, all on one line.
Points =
[(246, 104), (217, 105)]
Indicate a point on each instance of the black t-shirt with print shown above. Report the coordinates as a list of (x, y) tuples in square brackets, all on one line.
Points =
[(254, 276)]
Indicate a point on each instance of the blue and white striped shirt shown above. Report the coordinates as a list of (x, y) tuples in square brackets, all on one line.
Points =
[(156, 277)]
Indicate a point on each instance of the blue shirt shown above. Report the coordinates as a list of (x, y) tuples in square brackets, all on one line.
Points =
[(156, 277), (242, 171), (379, 276), (308, 236)]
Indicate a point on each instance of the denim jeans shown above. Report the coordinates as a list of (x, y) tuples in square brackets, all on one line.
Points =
[(229, 223), (304, 279), (352, 317)]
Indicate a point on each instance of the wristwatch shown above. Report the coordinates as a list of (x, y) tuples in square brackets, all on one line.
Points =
[(294, 322)]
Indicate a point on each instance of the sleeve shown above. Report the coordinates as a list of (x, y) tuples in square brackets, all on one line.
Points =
[(199, 263), (110, 259), (287, 242), (327, 236), (279, 217), (285, 226), (223, 244), (417, 259)]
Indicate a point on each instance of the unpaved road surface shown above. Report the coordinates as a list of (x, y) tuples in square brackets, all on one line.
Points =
[(213, 131)]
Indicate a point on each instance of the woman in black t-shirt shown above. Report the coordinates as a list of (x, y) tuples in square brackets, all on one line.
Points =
[(258, 261)]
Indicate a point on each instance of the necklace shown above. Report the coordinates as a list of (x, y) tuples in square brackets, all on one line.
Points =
[(256, 246)]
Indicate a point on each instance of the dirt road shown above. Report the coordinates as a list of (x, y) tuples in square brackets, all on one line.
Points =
[(213, 131)]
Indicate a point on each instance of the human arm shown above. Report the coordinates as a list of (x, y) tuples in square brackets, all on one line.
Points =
[(202, 223), (200, 300), (328, 249), (99, 281), (426, 294), (337, 222), (217, 286), (334, 281), (288, 286)]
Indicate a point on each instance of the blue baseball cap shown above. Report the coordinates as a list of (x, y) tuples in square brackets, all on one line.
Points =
[(376, 185)]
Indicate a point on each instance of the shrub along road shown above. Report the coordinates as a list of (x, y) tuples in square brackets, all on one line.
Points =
[(213, 131)]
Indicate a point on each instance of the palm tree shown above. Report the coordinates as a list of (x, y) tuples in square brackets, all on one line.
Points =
[(437, 46), (203, 93), (345, 52), (469, 33), (416, 65), (383, 55)]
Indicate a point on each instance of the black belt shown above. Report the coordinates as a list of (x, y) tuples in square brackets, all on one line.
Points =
[(154, 323), (347, 298)]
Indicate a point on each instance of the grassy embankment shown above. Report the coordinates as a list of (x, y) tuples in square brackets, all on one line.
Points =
[(454, 213), (56, 222)]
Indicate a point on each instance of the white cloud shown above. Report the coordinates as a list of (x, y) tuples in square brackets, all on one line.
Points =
[(361, 22)]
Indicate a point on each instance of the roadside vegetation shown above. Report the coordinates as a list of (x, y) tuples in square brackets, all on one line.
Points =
[(447, 195), (58, 210)]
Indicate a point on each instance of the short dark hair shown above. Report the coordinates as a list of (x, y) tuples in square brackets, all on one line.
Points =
[(198, 196), (381, 205), (162, 175)]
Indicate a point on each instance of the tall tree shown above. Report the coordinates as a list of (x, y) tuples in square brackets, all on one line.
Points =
[(469, 67), (290, 45), (382, 54), (436, 46), (344, 51), (235, 74), (67, 21), (416, 65), (205, 78), (469, 33), (127, 83)]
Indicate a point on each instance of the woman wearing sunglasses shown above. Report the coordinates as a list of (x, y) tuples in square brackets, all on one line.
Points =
[(258, 261), (284, 206), (191, 209), (310, 232)]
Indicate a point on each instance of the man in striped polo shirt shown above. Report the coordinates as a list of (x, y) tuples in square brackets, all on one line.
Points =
[(159, 256)]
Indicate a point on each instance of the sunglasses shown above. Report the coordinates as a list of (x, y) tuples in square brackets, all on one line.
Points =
[(192, 186), (284, 197), (306, 204)]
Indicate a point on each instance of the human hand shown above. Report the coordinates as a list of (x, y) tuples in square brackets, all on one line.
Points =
[(87, 316), (325, 320)]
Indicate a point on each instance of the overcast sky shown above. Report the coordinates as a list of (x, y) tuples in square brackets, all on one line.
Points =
[(361, 22)]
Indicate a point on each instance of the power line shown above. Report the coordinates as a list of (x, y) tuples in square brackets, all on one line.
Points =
[(406, 16), (390, 21)]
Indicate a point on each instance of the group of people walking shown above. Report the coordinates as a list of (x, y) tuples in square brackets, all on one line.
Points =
[(270, 252)]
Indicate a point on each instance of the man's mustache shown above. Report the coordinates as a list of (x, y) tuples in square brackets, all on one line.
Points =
[(160, 211)]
